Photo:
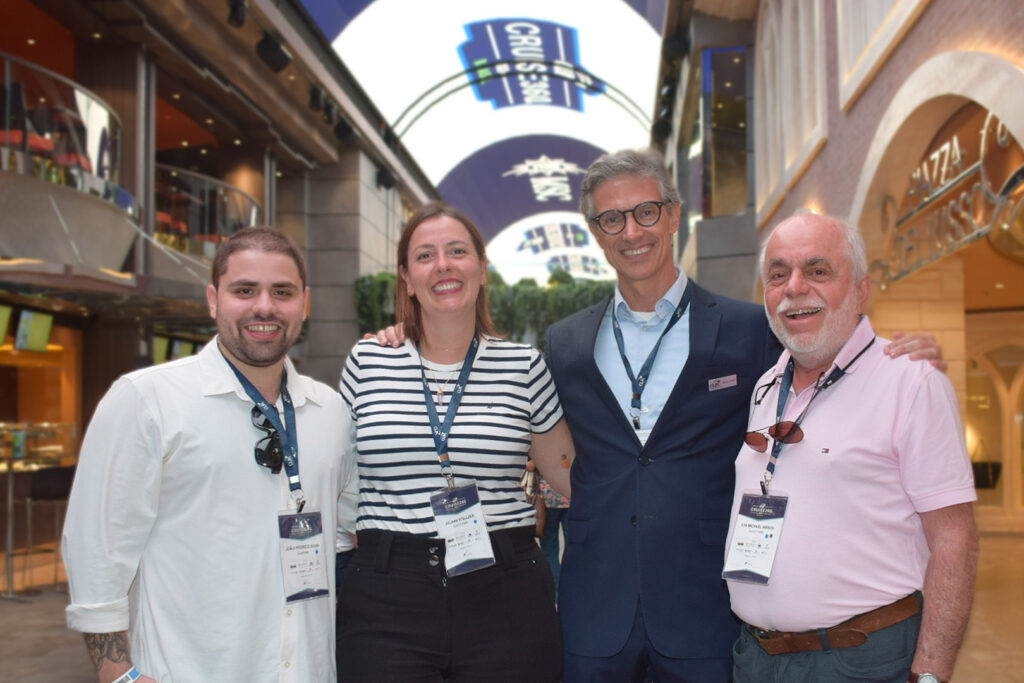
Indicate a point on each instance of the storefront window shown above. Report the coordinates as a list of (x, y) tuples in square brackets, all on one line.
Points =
[(1008, 361), (1018, 424), (724, 86), (984, 433)]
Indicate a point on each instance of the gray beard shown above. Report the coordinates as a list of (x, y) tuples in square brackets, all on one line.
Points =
[(821, 348)]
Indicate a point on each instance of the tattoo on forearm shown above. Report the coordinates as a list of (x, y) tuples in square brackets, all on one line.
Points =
[(111, 647)]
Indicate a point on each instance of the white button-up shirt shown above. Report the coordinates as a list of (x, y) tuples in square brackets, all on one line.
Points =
[(172, 527)]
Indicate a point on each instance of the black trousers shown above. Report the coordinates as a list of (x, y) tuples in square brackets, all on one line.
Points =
[(401, 619)]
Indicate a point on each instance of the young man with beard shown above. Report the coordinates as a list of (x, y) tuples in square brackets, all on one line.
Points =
[(199, 534), (854, 491)]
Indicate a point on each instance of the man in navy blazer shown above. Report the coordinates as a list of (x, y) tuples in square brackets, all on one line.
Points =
[(655, 384), (641, 589)]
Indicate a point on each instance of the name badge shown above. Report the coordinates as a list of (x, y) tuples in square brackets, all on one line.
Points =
[(459, 515), (303, 560), (755, 538), (722, 382)]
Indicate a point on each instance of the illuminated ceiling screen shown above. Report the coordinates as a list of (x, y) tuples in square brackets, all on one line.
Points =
[(505, 104)]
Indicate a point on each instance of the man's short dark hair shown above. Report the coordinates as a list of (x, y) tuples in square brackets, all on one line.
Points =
[(262, 238)]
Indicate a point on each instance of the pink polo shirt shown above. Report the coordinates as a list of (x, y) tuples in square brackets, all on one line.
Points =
[(881, 445)]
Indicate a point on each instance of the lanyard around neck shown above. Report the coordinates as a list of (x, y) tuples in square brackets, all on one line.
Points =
[(441, 430), (784, 387), (289, 437), (639, 381)]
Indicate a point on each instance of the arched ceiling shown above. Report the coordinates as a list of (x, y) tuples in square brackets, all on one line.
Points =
[(504, 104)]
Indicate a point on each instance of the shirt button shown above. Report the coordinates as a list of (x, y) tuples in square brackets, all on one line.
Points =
[(289, 612), (287, 665), (434, 560)]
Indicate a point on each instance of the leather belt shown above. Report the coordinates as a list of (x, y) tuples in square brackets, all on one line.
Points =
[(850, 633)]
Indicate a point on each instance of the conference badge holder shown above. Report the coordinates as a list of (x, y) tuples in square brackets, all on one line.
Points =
[(755, 538), (459, 515), (303, 560)]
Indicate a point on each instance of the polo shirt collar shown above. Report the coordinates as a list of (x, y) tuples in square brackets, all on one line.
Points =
[(862, 334)]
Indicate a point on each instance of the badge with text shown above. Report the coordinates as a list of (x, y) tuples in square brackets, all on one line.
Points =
[(303, 561), (755, 538), (722, 382), (460, 522)]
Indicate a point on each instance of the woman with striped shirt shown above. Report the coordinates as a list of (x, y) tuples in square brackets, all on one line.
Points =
[(447, 582)]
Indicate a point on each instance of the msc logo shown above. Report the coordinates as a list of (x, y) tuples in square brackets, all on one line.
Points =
[(526, 62), (553, 236), (549, 178)]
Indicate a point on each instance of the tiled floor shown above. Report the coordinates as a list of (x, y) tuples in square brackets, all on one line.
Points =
[(36, 647)]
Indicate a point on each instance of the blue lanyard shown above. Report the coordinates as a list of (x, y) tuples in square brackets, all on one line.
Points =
[(289, 437), (440, 431), (784, 387), (639, 381)]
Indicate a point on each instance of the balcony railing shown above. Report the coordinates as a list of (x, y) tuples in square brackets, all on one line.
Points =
[(57, 130), (195, 212)]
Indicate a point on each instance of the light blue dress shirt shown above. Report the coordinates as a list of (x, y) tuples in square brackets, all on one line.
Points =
[(640, 332)]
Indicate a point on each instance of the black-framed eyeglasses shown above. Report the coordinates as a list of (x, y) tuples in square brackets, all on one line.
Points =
[(269, 452), (786, 432), (613, 221)]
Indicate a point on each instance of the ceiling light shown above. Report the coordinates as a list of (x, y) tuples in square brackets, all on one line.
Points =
[(184, 143), (273, 53), (238, 142), (316, 98), (236, 13), (176, 96), (31, 41), (999, 285), (97, 35), (202, 150), (343, 131), (209, 122)]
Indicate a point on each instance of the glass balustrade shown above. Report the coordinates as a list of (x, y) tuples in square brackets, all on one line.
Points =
[(59, 131), (195, 212)]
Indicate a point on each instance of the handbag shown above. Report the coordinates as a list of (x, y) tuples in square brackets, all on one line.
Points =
[(530, 485)]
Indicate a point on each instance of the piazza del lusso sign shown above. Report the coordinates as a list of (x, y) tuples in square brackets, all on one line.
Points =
[(952, 200)]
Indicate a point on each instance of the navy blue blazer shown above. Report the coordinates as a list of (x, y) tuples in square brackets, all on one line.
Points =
[(649, 523)]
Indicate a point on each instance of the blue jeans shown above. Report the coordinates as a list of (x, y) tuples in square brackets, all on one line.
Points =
[(549, 542)]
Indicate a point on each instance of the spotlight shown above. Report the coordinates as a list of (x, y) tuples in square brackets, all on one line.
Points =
[(385, 179), (316, 98), (343, 131), (236, 13), (661, 129), (273, 53), (675, 46), (330, 110)]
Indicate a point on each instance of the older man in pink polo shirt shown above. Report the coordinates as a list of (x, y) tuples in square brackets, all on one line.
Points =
[(853, 549)]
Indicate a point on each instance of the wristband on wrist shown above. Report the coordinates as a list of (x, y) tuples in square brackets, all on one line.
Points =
[(128, 676)]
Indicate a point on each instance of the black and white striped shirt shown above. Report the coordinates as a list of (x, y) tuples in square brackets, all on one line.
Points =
[(509, 396)]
